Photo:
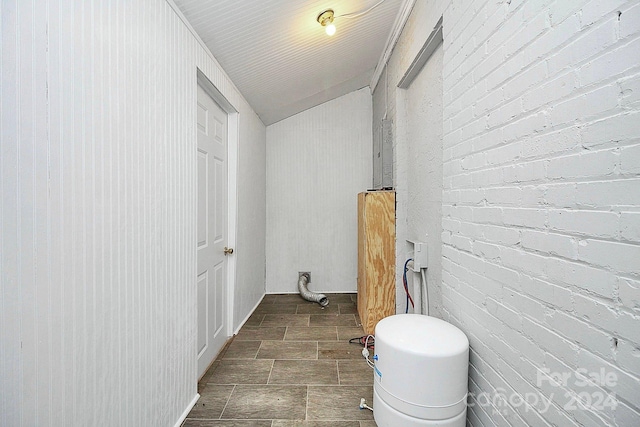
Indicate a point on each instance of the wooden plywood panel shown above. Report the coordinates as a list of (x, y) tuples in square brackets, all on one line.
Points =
[(376, 257), (362, 291), (380, 254)]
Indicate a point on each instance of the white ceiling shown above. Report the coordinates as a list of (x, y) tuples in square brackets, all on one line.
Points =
[(280, 58)]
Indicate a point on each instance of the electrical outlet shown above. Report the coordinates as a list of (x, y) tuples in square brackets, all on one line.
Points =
[(420, 255)]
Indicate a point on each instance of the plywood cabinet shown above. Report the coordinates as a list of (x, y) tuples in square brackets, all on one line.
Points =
[(376, 257)]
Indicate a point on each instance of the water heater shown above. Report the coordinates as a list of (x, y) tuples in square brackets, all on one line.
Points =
[(421, 366)]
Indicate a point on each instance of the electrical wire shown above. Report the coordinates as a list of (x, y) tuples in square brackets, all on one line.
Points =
[(370, 363), (364, 340), (406, 286), (358, 14), (365, 348), (365, 351)]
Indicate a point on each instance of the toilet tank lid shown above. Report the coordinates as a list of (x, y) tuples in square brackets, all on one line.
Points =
[(421, 334)]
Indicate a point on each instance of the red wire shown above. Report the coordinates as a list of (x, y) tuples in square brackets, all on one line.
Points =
[(406, 289)]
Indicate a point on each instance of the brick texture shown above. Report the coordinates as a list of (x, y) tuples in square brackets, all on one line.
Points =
[(541, 203)]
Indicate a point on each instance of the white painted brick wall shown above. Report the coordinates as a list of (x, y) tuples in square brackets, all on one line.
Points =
[(560, 173), (603, 224), (541, 201), (630, 226)]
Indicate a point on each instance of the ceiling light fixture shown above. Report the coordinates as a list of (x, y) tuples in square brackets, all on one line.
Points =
[(326, 20), (326, 17)]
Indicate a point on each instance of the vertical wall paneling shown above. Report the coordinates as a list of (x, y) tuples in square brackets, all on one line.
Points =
[(97, 211), (11, 299), (317, 163)]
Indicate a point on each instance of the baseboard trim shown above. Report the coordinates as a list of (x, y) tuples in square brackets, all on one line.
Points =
[(248, 315), (187, 410)]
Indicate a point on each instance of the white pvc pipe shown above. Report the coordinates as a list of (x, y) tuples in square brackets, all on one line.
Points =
[(424, 291)]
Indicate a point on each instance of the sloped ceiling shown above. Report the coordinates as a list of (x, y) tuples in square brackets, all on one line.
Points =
[(280, 58)]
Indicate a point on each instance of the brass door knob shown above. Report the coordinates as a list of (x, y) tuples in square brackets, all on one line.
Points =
[(228, 251)]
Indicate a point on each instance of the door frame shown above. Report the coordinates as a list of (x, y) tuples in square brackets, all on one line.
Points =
[(232, 189)]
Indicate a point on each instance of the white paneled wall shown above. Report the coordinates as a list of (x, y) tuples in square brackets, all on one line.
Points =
[(317, 162), (250, 241), (97, 211)]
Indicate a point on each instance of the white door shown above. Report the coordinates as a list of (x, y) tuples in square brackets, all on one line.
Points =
[(212, 229)]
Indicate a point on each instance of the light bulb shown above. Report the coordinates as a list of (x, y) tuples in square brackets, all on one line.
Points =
[(330, 29)]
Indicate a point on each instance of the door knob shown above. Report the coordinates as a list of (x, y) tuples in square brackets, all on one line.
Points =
[(228, 251)]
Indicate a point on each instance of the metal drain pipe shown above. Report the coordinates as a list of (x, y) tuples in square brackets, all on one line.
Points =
[(305, 293)]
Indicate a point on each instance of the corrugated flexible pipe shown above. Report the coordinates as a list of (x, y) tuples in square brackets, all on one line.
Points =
[(305, 293)]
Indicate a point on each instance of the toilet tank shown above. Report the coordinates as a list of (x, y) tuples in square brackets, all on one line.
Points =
[(421, 366)]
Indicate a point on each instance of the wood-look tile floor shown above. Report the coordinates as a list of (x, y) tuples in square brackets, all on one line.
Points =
[(291, 365)]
